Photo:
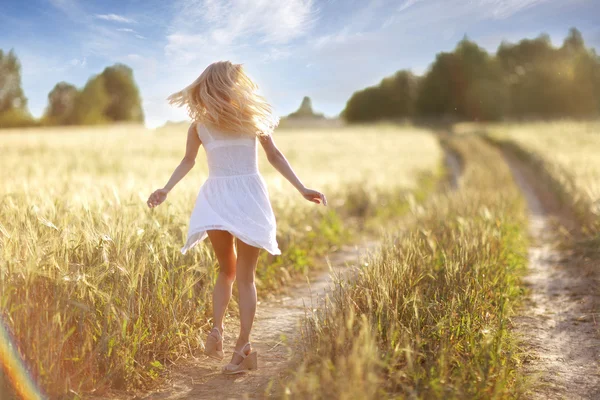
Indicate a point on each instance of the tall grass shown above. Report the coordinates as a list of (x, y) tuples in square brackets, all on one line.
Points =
[(565, 155), (428, 315), (92, 284), (567, 152)]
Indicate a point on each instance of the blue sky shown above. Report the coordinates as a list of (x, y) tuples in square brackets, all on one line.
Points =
[(325, 49)]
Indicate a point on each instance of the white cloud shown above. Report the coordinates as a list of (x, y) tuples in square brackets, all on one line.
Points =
[(339, 38), (406, 4), (78, 62), (183, 48), (237, 22), (447, 16), (132, 31), (254, 32), (115, 18), (276, 54), (501, 9)]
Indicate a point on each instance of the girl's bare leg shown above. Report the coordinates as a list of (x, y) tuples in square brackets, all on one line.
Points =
[(245, 271), (222, 242)]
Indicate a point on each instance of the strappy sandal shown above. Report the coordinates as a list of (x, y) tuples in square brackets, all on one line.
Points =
[(212, 343), (249, 362)]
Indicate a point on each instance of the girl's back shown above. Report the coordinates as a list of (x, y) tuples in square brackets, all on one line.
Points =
[(228, 154)]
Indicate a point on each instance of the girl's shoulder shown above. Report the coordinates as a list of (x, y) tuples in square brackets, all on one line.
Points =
[(215, 133)]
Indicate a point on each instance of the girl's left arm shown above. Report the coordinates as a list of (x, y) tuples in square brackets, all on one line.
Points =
[(186, 164), (281, 164)]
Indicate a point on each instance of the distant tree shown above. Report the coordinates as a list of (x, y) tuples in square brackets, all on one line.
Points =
[(531, 78), (61, 103), (399, 94), (437, 92), (364, 105), (465, 84), (574, 41), (531, 70), (305, 110), (11, 93), (125, 103), (393, 98), (111, 96), (13, 103), (582, 70), (548, 82), (91, 103)]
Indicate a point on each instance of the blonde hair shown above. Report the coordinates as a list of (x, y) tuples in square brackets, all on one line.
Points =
[(225, 97)]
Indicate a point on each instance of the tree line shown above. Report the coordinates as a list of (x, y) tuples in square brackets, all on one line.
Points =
[(529, 79), (111, 96)]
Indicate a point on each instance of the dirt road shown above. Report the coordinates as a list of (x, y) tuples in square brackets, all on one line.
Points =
[(558, 321)]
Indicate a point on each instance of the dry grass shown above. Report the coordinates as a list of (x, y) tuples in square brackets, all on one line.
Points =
[(570, 151), (428, 315), (566, 156), (92, 283)]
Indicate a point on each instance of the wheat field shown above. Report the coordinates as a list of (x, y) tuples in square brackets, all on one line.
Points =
[(93, 286), (438, 325), (568, 153)]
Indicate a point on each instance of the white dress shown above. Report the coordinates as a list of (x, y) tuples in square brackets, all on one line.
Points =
[(234, 198)]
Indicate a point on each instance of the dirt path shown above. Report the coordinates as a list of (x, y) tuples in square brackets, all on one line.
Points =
[(274, 332), (454, 167), (558, 322)]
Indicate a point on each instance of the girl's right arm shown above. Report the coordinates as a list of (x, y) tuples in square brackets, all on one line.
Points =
[(281, 164), (186, 164)]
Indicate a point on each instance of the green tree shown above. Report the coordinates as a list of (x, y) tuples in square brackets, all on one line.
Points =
[(61, 103), (305, 111), (111, 96), (125, 103), (11, 93), (528, 79), (548, 82), (574, 41), (464, 84), (91, 103), (393, 98), (530, 71), (399, 94), (13, 103), (582, 69)]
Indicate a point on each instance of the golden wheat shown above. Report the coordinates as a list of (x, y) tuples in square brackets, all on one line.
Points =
[(569, 150), (92, 283), (427, 316)]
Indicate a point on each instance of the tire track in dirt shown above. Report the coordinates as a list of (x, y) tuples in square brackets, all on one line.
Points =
[(557, 323)]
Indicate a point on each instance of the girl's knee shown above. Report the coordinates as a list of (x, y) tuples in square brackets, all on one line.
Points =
[(228, 275), (244, 278)]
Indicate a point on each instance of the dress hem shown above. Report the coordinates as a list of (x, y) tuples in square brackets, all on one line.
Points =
[(198, 235)]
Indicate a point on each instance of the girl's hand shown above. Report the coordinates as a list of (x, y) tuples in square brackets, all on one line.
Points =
[(314, 196), (157, 198)]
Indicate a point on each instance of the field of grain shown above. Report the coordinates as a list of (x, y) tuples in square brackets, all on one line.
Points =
[(93, 286), (568, 152), (437, 326)]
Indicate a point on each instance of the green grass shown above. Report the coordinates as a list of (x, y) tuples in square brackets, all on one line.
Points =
[(428, 315)]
